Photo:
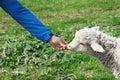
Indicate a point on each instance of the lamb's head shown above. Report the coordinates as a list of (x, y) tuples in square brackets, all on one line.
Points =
[(86, 40)]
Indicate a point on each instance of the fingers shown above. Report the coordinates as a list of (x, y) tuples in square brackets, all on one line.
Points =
[(58, 43), (60, 46), (63, 44)]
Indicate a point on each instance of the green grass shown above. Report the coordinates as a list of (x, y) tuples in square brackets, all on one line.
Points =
[(23, 57)]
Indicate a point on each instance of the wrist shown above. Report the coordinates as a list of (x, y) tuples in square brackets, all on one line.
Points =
[(50, 39)]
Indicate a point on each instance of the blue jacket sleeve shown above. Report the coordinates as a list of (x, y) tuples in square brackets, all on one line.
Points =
[(24, 17)]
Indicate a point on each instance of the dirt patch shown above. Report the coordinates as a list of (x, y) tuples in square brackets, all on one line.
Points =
[(1, 26)]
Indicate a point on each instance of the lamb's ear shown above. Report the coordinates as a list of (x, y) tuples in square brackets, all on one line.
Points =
[(96, 28), (97, 47)]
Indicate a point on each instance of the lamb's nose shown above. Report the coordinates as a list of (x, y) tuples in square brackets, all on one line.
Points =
[(69, 47)]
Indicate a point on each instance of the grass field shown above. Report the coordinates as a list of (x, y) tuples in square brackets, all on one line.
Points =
[(23, 57)]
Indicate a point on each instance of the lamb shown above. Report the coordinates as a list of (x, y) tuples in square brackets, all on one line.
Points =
[(96, 43)]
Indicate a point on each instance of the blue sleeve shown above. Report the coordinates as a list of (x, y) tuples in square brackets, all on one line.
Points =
[(24, 17)]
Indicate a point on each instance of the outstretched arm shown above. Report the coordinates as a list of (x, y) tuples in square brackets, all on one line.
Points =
[(24, 17)]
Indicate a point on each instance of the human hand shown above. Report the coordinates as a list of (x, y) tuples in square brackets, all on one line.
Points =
[(58, 43)]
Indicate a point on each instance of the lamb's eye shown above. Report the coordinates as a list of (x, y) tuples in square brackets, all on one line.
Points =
[(82, 43)]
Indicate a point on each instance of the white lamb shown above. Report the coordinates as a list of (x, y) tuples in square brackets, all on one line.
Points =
[(100, 45)]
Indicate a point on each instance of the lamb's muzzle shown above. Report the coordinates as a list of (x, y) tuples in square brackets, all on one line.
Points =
[(69, 47)]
